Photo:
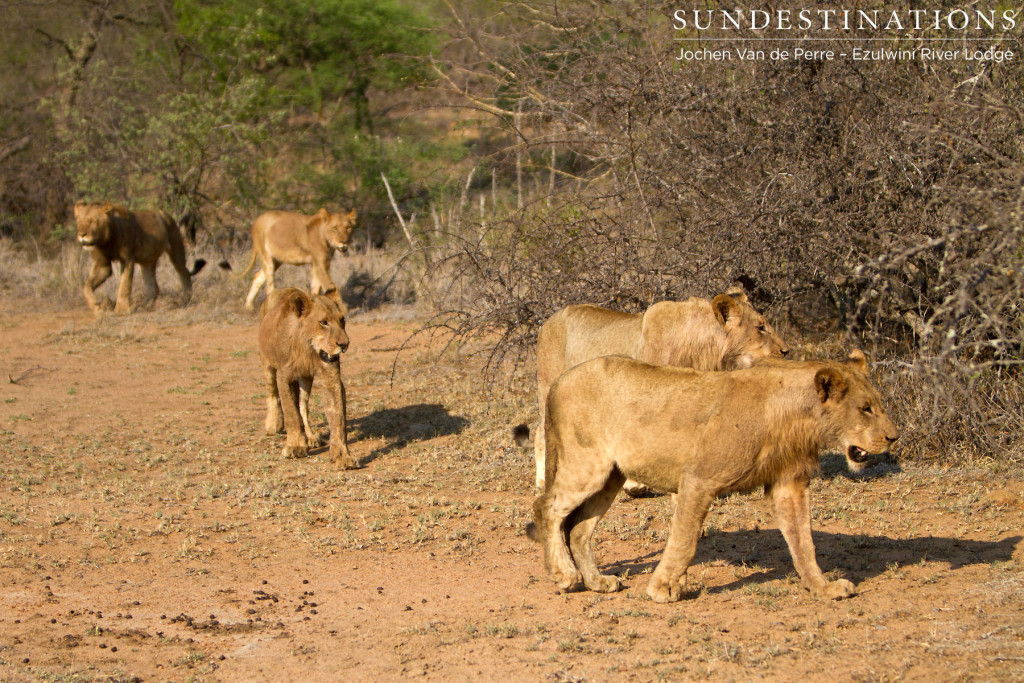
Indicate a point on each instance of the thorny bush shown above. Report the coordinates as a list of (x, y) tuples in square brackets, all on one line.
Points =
[(880, 199)]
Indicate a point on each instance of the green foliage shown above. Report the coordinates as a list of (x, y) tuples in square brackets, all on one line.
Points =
[(315, 51), (170, 144)]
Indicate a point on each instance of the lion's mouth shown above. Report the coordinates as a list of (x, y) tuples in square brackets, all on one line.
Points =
[(857, 454), (342, 248), (85, 241), (328, 358)]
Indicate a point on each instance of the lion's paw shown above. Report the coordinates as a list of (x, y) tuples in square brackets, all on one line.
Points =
[(635, 489), (837, 590), (567, 580), (290, 452), (663, 591), (345, 463), (604, 583), (315, 440)]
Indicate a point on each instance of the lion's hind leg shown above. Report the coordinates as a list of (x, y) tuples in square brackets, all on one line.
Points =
[(564, 496), (581, 525), (150, 288), (254, 289), (177, 256)]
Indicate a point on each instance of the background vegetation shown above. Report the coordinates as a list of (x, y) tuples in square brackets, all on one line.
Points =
[(541, 154)]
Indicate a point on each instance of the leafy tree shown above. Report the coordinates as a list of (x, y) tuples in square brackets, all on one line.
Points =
[(318, 53)]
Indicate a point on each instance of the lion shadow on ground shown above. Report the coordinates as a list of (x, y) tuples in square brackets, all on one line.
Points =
[(399, 427), (857, 557)]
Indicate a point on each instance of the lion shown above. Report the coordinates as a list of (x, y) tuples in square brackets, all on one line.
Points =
[(111, 232), (722, 334), (300, 336), (699, 434), (296, 239)]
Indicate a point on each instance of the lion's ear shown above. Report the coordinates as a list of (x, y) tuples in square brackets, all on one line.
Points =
[(858, 360), (830, 384), (320, 217), (736, 292), (300, 303), (107, 207), (725, 307), (352, 215)]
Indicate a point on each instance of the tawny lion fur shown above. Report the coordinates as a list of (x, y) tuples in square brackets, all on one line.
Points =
[(725, 333), (698, 434), (111, 232), (299, 337), (296, 239)]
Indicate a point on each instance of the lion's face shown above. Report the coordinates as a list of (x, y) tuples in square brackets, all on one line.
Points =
[(855, 407), (323, 326), (93, 221), (337, 228), (750, 336)]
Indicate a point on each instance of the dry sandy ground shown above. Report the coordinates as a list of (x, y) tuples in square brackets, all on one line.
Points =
[(149, 531)]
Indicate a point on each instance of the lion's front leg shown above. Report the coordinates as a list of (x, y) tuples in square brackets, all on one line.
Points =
[(101, 270), (320, 281), (275, 420), (305, 388), (337, 417), (668, 582), (124, 288), (793, 515), (295, 445)]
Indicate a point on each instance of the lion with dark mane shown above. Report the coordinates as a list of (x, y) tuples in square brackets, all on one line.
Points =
[(114, 233)]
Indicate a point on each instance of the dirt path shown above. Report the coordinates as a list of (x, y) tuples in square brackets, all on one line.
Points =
[(149, 531)]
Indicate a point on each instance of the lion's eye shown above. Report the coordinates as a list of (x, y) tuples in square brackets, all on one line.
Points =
[(867, 409), (323, 323)]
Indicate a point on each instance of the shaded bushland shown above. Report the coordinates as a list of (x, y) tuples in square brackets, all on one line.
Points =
[(876, 199)]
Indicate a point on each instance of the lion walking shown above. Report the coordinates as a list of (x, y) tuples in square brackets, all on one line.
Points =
[(301, 337), (111, 232), (280, 237), (721, 334), (700, 435)]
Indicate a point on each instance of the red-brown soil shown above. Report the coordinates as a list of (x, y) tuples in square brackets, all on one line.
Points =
[(150, 531)]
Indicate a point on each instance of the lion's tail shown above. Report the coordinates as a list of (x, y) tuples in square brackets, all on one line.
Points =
[(531, 532), (252, 260), (521, 435)]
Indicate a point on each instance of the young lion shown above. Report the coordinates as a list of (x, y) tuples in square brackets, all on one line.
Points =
[(300, 336), (700, 434), (722, 334), (285, 237), (113, 233)]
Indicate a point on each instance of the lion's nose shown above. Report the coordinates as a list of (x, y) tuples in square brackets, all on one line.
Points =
[(784, 351), (343, 346)]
